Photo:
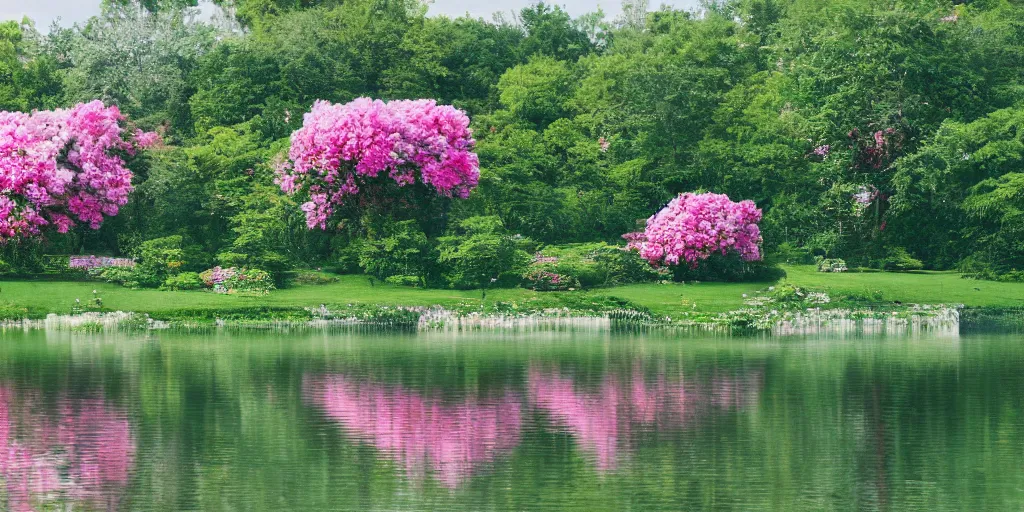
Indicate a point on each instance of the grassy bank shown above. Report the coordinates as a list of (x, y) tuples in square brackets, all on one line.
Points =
[(42, 297)]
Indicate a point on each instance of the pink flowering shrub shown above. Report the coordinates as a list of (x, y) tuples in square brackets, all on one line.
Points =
[(62, 167), (544, 281), (217, 276), (342, 150), (238, 280), (694, 226)]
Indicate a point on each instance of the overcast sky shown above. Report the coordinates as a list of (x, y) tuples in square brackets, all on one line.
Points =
[(71, 11)]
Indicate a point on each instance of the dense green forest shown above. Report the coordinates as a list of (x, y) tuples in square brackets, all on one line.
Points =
[(873, 131)]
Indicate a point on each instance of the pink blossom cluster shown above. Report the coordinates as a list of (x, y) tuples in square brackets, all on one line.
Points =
[(694, 226), (88, 262), (83, 455), (341, 148), (62, 167), (453, 439), (218, 275)]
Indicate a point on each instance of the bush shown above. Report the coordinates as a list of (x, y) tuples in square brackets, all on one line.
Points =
[(310, 278), (5, 268), (544, 281), (184, 281), (791, 254), (900, 260), (238, 280), (594, 264), (164, 256), (830, 264), (398, 248), (250, 280), (348, 257), (728, 268), (480, 254), (129, 277), (976, 268), (413, 281), (232, 259), (10, 311)]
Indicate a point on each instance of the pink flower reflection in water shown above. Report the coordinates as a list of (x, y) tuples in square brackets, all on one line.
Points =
[(605, 420), (453, 439), (86, 456)]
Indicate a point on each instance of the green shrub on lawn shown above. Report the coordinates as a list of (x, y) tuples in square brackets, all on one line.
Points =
[(129, 277), (184, 281), (310, 278), (900, 260), (588, 265), (413, 281), (479, 253)]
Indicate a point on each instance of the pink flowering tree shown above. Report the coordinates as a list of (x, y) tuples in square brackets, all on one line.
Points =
[(64, 167), (360, 154), (693, 227)]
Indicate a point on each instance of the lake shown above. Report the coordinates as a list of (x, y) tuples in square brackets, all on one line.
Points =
[(586, 421)]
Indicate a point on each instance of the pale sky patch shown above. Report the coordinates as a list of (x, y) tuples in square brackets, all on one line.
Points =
[(69, 12)]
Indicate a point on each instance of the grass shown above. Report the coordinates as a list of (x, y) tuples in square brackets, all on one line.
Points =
[(42, 297), (912, 287)]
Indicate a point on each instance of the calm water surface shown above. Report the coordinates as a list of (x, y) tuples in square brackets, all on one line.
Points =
[(556, 421)]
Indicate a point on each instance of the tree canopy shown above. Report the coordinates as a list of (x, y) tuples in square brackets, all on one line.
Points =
[(859, 128)]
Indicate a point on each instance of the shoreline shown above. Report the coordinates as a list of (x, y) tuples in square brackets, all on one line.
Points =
[(943, 320)]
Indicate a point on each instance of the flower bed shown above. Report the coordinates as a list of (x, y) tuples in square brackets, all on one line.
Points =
[(238, 280), (90, 262)]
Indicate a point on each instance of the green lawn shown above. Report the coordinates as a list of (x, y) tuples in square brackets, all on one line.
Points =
[(924, 287), (916, 287)]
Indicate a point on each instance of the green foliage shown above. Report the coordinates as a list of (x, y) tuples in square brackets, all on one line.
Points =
[(29, 78), (412, 281), (977, 268), (310, 278), (592, 264), (960, 195), (730, 268), (550, 31), (10, 311), (163, 256), (790, 254), (396, 249), (585, 128), (129, 277), (250, 280), (139, 60), (544, 281), (184, 281), (830, 264), (479, 253), (900, 260), (537, 91)]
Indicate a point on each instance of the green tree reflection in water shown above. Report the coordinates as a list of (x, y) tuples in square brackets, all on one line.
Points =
[(543, 421)]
